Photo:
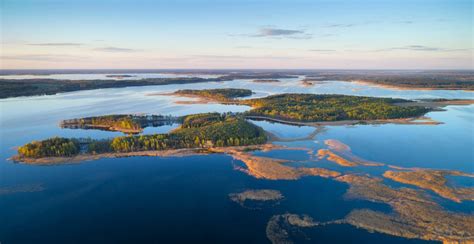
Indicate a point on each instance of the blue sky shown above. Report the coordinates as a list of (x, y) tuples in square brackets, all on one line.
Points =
[(415, 34)]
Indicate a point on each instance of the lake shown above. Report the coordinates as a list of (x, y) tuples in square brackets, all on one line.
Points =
[(186, 199)]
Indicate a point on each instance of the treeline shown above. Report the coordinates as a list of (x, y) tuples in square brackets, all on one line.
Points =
[(119, 122), (197, 131), (32, 87), (224, 94), (53, 147), (448, 80), (312, 108)]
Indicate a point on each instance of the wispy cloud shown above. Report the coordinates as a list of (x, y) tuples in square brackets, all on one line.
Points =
[(277, 32), (340, 25), (322, 50), (423, 48), (116, 49), (281, 33), (57, 44), (240, 57), (42, 57)]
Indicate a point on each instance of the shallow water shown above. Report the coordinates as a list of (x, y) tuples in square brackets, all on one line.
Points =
[(153, 199)]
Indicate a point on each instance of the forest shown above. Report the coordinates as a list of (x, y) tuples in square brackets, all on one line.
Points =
[(224, 94), (314, 108), (52, 147), (120, 122), (32, 87), (433, 79), (197, 131)]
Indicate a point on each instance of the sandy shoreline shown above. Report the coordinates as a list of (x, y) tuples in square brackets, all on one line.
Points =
[(406, 121), (163, 153)]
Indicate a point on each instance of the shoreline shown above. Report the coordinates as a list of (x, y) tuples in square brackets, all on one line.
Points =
[(404, 121), (184, 152), (402, 87)]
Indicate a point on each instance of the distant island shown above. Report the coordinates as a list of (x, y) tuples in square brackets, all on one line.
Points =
[(196, 131), (41, 86), (447, 80), (222, 95), (266, 81), (130, 124), (424, 80), (120, 76)]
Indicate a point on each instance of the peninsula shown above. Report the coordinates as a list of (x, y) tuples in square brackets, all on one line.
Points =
[(196, 131)]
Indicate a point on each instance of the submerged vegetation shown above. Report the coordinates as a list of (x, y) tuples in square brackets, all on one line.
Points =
[(197, 131)]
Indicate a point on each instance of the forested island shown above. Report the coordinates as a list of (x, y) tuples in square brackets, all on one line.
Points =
[(266, 81), (315, 108), (222, 95), (32, 87), (131, 124), (43, 86), (197, 131)]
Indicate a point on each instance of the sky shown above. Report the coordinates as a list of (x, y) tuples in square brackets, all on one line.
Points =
[(213, 34)]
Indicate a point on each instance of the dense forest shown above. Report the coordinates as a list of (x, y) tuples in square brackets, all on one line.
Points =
[(126, 122), (312, 108), (197, 131), (31, 87), (315, 108), (53, 147), (224, 94)]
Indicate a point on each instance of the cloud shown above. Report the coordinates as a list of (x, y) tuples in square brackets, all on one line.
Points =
[(322, 50), (340, 25), (423, 48), (116, 50), (57, 44), (277, 32), (42, 57), (281, 33), (239, 57)]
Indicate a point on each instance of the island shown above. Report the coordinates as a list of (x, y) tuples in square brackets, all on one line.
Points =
[(126, 123), (44, 86), (309, 108), (221, 95), (34, 87), (196, 131), (266, 81), (120, 76)]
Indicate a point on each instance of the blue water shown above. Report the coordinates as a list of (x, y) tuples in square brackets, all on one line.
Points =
[(185, 199)]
